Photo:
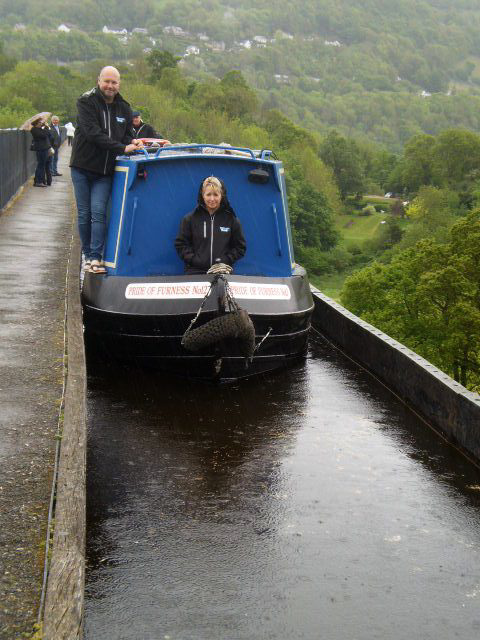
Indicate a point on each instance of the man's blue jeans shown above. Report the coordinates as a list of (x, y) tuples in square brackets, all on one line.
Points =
[(92, 192), (55, 162)]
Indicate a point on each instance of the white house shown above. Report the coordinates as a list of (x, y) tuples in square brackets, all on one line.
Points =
[(175, 31), (64, 28), (217, 46), (118, 32)]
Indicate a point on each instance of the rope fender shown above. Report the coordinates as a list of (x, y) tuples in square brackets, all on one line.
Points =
[(236, 324)]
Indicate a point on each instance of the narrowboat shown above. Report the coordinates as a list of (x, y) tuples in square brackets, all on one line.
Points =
[(145, 309)]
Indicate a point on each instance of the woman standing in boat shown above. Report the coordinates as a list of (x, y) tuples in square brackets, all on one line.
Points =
[(210, 238)]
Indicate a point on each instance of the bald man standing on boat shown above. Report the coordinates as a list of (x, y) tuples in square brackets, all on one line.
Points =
[(103, 131)]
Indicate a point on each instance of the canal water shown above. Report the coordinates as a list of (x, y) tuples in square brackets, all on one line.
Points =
[(306, 504)]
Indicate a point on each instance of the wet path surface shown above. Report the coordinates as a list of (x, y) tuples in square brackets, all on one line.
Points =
[(35, 237), (309, 504)]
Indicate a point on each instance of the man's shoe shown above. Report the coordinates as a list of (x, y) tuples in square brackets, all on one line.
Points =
[(56, 174), (39, 184), (97, 266)]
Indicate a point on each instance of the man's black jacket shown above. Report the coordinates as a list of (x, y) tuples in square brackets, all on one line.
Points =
[(145, 130), (205, 239), (102, 133), (55, 137)]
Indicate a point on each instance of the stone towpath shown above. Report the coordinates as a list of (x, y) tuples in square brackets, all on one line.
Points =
[(35, 238)]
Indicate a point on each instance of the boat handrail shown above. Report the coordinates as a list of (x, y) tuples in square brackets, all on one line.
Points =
[(202, 147), (263, 154)]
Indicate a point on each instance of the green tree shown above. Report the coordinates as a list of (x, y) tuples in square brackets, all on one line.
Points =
[(46, 87), (428, 298), (284, 132), (158, 61), (6, 62), (343, 157), (455, 156), (417, 165), (238, 99), (432, 213), (310, 216)]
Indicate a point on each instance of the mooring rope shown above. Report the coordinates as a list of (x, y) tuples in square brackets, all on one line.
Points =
[(212, 284)]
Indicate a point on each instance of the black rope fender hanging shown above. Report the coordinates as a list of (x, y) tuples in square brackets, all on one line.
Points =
[(236, 323)]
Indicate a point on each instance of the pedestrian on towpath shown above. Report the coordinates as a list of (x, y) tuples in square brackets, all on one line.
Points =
[(56, 138), (70, 129), (40, 144)]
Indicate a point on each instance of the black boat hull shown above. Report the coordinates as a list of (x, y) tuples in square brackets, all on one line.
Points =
[(149, 332)]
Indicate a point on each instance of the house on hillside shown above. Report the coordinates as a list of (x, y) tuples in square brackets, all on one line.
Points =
[(63, 27), (217, 46), (192, 51), (118, 32), (175, 31)]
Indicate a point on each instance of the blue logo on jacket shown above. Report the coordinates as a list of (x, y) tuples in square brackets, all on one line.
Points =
[(225, 229), (119, 119)]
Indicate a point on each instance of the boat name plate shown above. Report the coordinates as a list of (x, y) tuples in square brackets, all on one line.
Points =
[(189, 290)]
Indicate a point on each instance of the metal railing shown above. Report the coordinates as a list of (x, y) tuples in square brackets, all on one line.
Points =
[(17, 162)]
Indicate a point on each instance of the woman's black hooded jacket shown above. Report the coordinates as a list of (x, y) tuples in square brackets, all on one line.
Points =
[(41, 138), (205, 239)]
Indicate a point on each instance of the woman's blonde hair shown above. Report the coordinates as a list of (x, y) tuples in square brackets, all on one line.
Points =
[(213, 182)]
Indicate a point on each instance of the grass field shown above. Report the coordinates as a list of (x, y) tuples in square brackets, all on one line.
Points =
[(330, 285), (356, 229)]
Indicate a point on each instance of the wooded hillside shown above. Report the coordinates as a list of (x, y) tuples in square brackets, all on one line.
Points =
[(377, 69)]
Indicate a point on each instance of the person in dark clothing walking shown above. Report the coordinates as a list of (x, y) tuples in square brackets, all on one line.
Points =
[(210, 238), (41, 144), (104, 128), (49, 161), (142, 129), (56, 142)]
